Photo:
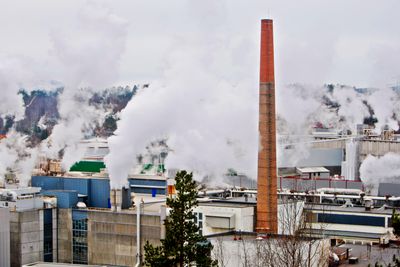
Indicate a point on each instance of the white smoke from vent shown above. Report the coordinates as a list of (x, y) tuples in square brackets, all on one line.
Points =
[(207, 115), (299, 106), (352, 111), (88, 55), (375, 170), (384, 102), (17, 157), (85, 54)]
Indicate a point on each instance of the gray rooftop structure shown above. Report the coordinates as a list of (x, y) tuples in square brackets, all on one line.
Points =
[(391, 189)]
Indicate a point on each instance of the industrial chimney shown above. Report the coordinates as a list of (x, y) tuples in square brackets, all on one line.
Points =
[(267, 177)]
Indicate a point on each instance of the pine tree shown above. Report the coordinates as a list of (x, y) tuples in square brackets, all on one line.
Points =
[(396, 223), (183, 245)]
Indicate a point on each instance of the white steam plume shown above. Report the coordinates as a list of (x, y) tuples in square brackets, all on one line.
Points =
[(375, 170), (299, 107), (208, 117), (84, 55), (89, 58), (384, 102), (15, 155), (351, 109), (13, 77)]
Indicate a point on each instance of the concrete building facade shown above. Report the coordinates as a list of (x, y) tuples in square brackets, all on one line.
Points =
[(224, 216), (105, 237), (33, 236), (4, 237)]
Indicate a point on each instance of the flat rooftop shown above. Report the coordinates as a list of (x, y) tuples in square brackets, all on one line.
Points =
[(357, 209), (54, 264), (382, 255)]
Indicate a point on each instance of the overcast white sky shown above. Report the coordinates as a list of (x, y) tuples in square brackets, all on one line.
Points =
[(355, 42)]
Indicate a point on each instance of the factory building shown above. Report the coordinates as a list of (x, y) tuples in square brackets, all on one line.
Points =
[(105, 237), (73, 233), (313, 173), (74, 217), (329, 158), (219, 216), (32, 224), (148, 179), (93, 191), (4, 237), (357, 147), (350, 223)]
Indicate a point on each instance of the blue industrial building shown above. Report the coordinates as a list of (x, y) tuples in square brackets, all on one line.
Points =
[(65, 198), (148, 185), (94, 192)]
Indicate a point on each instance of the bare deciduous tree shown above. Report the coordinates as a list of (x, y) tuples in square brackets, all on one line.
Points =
[(295, 245)]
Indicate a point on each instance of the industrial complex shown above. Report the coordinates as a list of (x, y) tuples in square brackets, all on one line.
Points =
[(74, 217)]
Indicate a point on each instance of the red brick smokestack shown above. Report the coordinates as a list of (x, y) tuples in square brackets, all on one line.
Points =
[(267, 177)]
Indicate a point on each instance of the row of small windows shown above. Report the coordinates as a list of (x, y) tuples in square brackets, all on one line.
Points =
[(351, 219), (198, 220), (79, 241)]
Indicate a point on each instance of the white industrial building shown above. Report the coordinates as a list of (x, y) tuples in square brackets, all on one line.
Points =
[(223, 216), (351, 224), (29, 225), (20, 199), (313, 172)]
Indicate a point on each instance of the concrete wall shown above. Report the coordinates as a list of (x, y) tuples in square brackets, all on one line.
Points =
[(4, 237), (64, 234), (378, 148), (26, 237), (112, 236)]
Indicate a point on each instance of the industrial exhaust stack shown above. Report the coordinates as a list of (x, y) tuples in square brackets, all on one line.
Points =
[(267, 176)]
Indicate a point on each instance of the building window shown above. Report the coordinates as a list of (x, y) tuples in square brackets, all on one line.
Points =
[(48, 235), (198, 220), (79, 241), (352, 219)]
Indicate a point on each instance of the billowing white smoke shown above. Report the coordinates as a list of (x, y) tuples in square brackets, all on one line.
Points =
[(375, 170), (384, 102), (85, 55), (298, 107), (208, 119), (12, 78), (351, 109), (89, 58), (15, 155), (301, 106)]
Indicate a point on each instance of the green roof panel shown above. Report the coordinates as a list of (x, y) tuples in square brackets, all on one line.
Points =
[(88, 166)]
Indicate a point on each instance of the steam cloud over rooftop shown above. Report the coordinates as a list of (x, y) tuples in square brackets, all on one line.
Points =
[(203, 76)]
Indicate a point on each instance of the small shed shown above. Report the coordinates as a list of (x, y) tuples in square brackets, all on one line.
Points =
[(313, 172)]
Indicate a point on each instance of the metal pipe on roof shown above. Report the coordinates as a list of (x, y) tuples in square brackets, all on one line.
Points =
[(138, 243), (138, 256)]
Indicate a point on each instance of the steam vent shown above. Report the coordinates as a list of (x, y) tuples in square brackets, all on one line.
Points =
[(267, 177)]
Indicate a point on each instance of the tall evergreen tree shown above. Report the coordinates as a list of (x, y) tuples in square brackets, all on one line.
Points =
[(396, 223), (183, 245)]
